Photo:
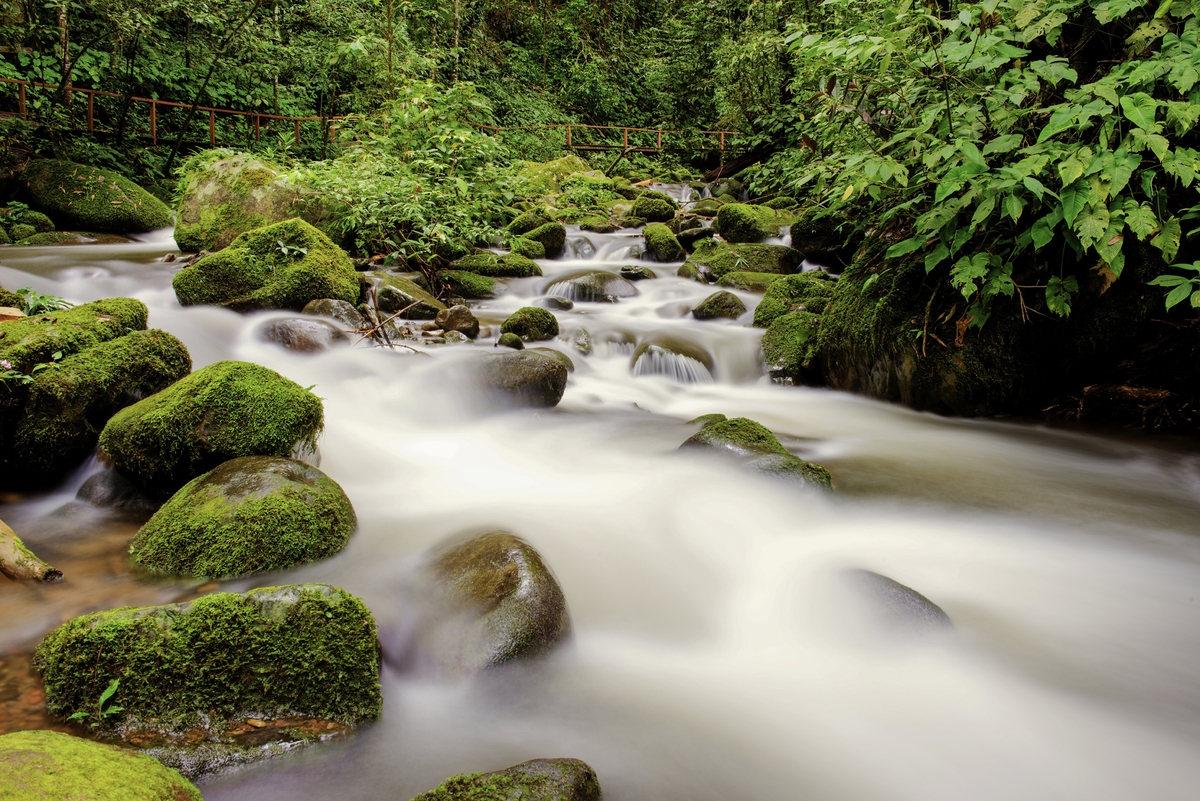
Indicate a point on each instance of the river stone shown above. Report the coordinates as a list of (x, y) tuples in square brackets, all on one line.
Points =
[(506, 604), (90, 199), (53, 766), (690, 236), (509, 265), (473, 286), (249, 515), (597, 286), (108, 489), (535, 780), (552, 236), (653, 207), (790, 350), (257, 272), (339, 310), (896, 608), (555, 303), (300, 659), (306, 336), (558, 355), (661, 243), (720, 305), (691, 271), (825, 237), (527, 247), (525, 222), (748, 282), (633, 273), (521, 378), (582, 342), (531, 324), (69, 404), (458, 318), (719, 258), (808, 292), (397, 294), (220, 412), (226, 194), (756, 448), (742, 222), (510, 341)]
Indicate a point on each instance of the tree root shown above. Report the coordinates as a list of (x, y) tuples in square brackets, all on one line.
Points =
[(18, 562)]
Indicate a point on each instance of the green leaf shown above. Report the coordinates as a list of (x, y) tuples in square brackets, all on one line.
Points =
[(1170, 280), (939, 255), (1092, 225), (1002, 144), (1058, 294), (1043, 230), (1139, 108), (984, 210), (1013, 206), (1168, 237), (1179, 294), (1140, 218), (1074, 198), (108, 692), (905, 247)]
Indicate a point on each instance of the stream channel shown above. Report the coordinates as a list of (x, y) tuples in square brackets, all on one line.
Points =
[(719, 651)]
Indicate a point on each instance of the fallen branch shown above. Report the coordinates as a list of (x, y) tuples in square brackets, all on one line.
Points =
[(19, 564), (379, 327)]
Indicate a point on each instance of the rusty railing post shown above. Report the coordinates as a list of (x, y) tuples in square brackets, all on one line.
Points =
[(91, 117), (297, 133), (153, 122), (659, 145), (569, 136), (722, 140), (212, 128), (625, 138), (21, 98)]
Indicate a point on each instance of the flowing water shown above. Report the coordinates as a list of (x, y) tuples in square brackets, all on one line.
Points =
[(719, 650)]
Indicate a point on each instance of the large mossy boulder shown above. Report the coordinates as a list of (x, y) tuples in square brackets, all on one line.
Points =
[(884, 336), (749, 282), (249, 515), (531, 324), (720, 258), (753, 446), (662, 244), (52, 766), (70, 403), (397, 294), (825, 237), (504, 604), (519, 378), (508, 265), (472, 286), (653, 207), (810, 292), (225, 194), (535, 780), (591, 286), (273, 653), (90, 199), (790, 349), (280, 266), (542, 178), (742, 222), (552, 237), (218, 413), (720, 305)]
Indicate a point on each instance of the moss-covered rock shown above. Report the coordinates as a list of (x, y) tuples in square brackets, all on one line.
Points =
[(275, 652), (503, 602), (597, 225), (91, 199), (720, 305), (780, 203), (720, 258), (591, 286), (217, 413), (727, 186), (536, 780), (526, 222), (542, 178), (528, 248), (662, 244), (22, 231), (248, 515), (509, 265), (708, 207), (706, 420), (552, 236), (70, 403), (653, 208), (396, 293), (54, 238), (741, 222), (34, 340), (225, 194), (790, 349), (472, 286), (825, 237), (531, 324), (280, 266), (810, 291), (750, 282), (632, 272), (52, 766), (40, 222), (756, 448), (691, 271), (5, 239), (519, 378), (510, 341)]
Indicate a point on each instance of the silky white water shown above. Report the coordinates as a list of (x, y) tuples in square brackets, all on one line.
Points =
[(718, 652)]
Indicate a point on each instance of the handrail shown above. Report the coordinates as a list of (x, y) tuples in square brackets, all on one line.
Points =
[(259, 116)]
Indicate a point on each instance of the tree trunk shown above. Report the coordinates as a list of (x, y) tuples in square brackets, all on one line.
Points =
[(19, 564), (66, 54)]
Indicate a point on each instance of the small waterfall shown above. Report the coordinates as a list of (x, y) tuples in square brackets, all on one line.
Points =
[(657, 360)]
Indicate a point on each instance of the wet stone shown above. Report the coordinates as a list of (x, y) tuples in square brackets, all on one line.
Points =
[(458, 319), (303, 336), (555, 303)]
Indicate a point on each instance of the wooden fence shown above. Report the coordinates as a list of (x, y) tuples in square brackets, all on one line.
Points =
[(578, 136)]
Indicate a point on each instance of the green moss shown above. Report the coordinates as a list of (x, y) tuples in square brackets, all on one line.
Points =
[(531, 324), (791, 469), (552, 236), (10, 299), (510, 265), (527, 247), (824, 235), (22, 231), (510, 341), (40, 222), (708, 207), (780, 203), (809, 291), (34, 340), (790, 348), (537, 780), (398, 294), (91, 199), (472, 286), (741, 222), (538, 179), (690, 271), (662, 243), (750, 282), (70, 403), (53, 766), (651, 208), (526, 222), (255, 272), (706, 420), (597, 225), (49, 238), (739, 434), (248, 515), (723, 305), (308, 649), (721, 258), (5, 239), (220, 412)]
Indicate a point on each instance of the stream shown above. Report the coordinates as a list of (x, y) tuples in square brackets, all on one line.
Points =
[(719, 650)]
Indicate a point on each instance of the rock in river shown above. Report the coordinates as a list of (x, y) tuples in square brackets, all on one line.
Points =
[(535, 780), (755, 447), (520, 378)]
